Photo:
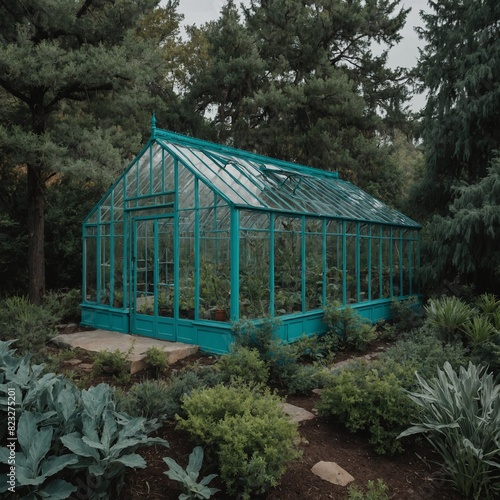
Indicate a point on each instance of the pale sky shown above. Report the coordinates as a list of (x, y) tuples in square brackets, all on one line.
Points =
[(405, 54)]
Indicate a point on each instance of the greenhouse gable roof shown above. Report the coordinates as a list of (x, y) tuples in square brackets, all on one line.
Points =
[(248, 180)]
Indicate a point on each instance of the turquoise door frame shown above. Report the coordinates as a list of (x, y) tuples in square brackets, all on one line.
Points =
[(152, 311)]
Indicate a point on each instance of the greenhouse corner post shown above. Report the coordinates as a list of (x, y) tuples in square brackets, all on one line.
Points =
[(271, 265), (303, 265), (324, 264), (235, 264)]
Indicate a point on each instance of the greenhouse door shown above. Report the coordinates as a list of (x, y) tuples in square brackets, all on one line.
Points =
[(153, 278)]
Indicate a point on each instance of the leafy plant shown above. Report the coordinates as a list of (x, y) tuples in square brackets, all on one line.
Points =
[(461, 419), (35, 461), (188, 479), (374, 491), (370, 396), (116, 363), (157, 360), (478, 329), (246, 428), (407, 314), (106, 443), (32, 325), (149, 399), (244, 364), (448, 315), (488, 304), (348, 326)]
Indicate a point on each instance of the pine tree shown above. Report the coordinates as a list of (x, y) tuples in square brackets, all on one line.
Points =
[(76, 75), (459, 68)]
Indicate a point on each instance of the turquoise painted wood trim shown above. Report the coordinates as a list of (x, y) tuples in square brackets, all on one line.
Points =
[(344, 262), (358, 263), (156, 270), (410, 266), (303, 265), (126, 253), (380, 263), (177, 246), (391, 263), (271, 265), (196, 249), (150, 170), (369, 244), (98, 261), (324, 264), (234, 238), (112, 250), (84, 264)]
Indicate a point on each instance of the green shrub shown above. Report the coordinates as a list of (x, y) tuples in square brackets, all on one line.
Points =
[(374, 491), (423, 350), (157, 360), (305, 378), (370, 396), (245, 364), (407, 314), (346, 325), (488, 304), (182, 383), (461, 419), (478, 329), (246, 428), (64, 305), (488, 353), (448, 315), (261, 336), (188, 479), (312, 349), (116, 363), (33, 326), (149, 399)]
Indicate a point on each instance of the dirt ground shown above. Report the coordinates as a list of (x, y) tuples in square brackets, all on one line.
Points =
[(413, 475)]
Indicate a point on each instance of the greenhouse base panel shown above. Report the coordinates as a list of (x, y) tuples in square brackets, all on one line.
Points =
[(215, 336)]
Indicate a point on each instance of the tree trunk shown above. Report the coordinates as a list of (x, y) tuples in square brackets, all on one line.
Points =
[(36, 223)]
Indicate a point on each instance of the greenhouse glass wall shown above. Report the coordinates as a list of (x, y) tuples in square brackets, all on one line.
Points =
[(194, 236)]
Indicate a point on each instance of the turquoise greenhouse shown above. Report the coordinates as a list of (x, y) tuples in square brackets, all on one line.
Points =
[(194, 236)]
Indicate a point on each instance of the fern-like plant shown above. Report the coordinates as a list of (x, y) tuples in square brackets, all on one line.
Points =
[(448, 315), (461, 420), (188, 478)]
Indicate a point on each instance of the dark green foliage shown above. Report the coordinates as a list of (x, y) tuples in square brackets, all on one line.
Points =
[(116, 363), (407, 314), (370, 396), (244, 364), (346, 325), (305, 378), (466, 242), (301, 83), (33, 326), (156, 359), (425, 352), (246, 428), (374, 491), (261, 336), (150, 399), (488, 353)]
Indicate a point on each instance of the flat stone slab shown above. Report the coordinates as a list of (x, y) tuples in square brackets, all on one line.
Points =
[(296, 413), (103, 340), (333, 473)]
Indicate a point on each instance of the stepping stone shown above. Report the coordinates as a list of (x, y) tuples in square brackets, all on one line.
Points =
[(297, 414), (72, 362), (333, 473)]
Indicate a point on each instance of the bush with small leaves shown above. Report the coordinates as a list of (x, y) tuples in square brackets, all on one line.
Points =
[(157, 360), (346, 325), (116, 363), (407, 314), (244, 364), (253, 440), (370, 396)]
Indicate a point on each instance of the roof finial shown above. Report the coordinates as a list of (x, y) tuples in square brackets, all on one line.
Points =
[(153, 125)]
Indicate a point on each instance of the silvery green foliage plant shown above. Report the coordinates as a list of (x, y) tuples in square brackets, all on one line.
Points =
[(107, 441), (461, 420), (188, 479), (36, 462)]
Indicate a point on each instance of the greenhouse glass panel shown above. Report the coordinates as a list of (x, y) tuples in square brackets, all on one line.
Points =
[(194, 236)]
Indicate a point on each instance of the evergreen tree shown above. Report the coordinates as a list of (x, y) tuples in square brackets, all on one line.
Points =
[(297, 80), (76, 74), (459, 68)]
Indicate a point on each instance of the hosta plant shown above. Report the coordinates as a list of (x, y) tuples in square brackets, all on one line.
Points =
[(188, 478), (461, 420)]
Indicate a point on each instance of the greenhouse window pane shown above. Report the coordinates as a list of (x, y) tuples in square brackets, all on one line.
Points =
[(90, 252), (287, 265), (105, 265), (334, 261), (314, 264), (364, 262)]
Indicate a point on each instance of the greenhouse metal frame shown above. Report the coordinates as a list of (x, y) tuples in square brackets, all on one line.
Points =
[(194, 236)]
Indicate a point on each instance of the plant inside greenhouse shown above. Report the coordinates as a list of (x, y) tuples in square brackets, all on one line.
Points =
[(195, 235)]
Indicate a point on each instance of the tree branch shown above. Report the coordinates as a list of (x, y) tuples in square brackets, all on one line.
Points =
[(13, 91)]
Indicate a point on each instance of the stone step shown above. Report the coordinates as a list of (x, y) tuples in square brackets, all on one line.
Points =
[(103, 340)]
